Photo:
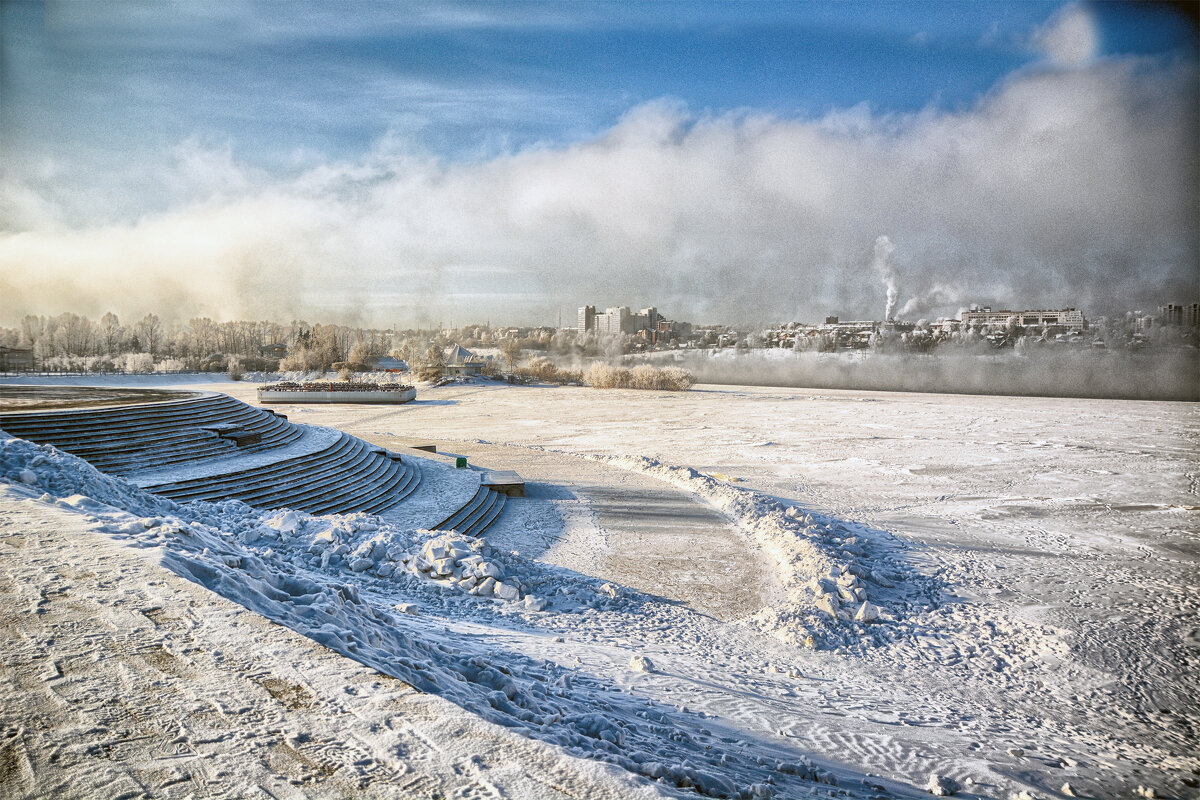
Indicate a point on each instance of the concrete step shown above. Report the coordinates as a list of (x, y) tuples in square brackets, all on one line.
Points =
[(401, 492), (350, 490), (244, 479), (101, 421), (367, 493), (113, 413), (345, 476), (285, 489), (214, 413), (451, 522), (479, 527)]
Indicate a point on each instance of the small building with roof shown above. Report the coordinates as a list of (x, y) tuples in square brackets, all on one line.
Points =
[(462, 362)]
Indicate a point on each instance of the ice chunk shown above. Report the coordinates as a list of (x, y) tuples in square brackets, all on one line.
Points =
[(457, 550), (284, 522), (506, 591), (435, 551), (407, 608), (28, 477), (640, 663), (867, 612), (941, 786)]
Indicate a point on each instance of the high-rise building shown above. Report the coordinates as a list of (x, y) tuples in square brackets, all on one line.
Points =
[(1063, 317), (614, 320), (1175, 314), (618, 319)]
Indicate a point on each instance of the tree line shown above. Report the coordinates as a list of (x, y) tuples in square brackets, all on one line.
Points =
[(77, 343)]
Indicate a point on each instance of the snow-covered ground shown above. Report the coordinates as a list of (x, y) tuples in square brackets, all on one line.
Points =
[(1023, 572)]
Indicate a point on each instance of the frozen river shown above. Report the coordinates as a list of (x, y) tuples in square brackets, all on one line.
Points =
[(1035, 559)]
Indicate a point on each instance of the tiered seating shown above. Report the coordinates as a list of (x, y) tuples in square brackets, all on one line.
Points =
[(123, 439), (475, 517), (349, 475)]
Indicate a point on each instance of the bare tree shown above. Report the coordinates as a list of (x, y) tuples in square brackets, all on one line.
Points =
[(112, 334), (511, 350), (150, 333)]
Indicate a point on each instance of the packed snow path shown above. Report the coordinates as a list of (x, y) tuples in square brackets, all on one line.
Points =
[(624, 527)]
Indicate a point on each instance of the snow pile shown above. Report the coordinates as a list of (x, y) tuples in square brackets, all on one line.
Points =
[(462, 562), (841, 589)]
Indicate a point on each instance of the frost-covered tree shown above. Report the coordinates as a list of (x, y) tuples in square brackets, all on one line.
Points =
[(150, 333), (511, 350), (112, 334)]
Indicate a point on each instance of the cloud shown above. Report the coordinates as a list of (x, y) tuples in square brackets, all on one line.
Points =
[(1070, 37), (1063, 187)]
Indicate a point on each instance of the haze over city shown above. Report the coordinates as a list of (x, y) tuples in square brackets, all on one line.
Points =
[(472, 161)]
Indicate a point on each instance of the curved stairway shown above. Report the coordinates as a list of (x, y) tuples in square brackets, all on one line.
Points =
[(478, 513), (123, 439), (349, 475), (346, 476)]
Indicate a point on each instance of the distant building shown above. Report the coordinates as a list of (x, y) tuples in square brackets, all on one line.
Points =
[(1185, 315), (618, 320), (273, 350), (390, 364), (461, 361), (1064, 317), (587, 319), (614, 320), (16, 359)]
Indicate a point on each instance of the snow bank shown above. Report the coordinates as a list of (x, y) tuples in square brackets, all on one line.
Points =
[(842, 588)]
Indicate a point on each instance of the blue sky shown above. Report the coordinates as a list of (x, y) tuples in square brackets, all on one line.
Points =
[(292, 81), (116, 113)]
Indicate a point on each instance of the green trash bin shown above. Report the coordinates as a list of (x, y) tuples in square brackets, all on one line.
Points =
[(460, 462)]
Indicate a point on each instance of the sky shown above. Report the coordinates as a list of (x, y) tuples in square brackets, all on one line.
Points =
[(451, 162)]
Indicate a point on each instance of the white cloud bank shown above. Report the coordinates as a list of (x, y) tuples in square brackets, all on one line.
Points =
[(1071, 37), (1064, 187)]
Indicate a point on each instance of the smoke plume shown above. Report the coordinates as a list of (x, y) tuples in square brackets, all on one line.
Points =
[(883, 252)]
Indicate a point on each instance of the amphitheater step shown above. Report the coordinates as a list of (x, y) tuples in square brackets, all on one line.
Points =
[(345, 474), (124, 439), (476, 515)]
